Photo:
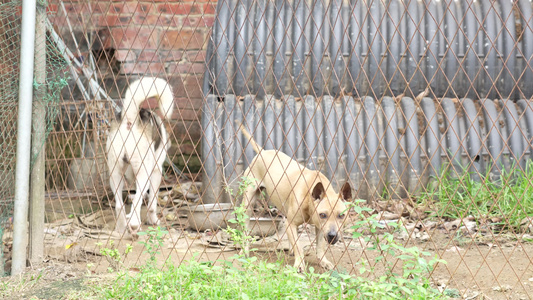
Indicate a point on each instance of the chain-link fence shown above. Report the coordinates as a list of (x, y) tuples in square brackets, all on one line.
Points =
[(422, 107), (49, 81), (10, 48)]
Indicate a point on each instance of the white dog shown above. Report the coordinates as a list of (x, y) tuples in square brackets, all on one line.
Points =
[(136, 149)]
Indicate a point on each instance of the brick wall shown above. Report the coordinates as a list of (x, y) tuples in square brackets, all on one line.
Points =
[(156, 38)]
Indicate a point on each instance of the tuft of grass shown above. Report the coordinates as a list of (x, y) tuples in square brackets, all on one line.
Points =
[(508, 197)]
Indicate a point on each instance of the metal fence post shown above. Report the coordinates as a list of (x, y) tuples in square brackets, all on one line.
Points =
[(20, 218)]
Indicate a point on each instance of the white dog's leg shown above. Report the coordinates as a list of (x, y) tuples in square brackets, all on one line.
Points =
[(116, 182), (155, 182), (142, 185)]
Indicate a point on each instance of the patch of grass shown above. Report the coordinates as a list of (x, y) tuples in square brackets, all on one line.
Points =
[(19, 283), (508, 197), (406, 275), (249, 278)]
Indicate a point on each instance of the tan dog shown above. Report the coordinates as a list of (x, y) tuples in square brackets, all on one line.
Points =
[(301, 194)]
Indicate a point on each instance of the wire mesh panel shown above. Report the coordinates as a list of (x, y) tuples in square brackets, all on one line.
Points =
[(422, 107), (9, 45)]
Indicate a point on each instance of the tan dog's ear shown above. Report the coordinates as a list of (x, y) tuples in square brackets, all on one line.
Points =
[(318, 191), (346, 192)]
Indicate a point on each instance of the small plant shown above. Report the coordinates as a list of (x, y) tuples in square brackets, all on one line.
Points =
[(406, 271), (153, 243), (239, 235), (113, 256)]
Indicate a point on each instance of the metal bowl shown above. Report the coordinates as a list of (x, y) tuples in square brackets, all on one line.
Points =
[(264, 227), (212, 216)]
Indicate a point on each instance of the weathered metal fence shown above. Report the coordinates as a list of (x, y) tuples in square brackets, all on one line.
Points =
[(423, 106)]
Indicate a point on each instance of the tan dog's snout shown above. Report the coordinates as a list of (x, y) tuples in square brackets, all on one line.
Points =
[(332, 237)]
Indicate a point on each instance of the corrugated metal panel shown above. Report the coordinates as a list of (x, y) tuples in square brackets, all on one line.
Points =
[(473, 49), (396, 143)]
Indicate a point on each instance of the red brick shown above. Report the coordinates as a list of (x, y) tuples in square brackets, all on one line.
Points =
[(191, 21), (183, 39), (116, 20), (171, 55), (178, 8), (116, 8), (146, 7), (145, 68), (163, 20), (208, 21), (127, 7), (140, 19), (99, 7), (125, 55), (148, 55), (198, 22), (209, 8), (185, 68), (135, 38), (110, 20), (196, 55)]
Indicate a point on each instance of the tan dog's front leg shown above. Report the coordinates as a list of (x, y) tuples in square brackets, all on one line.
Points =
[(292, 234), (321, 245)]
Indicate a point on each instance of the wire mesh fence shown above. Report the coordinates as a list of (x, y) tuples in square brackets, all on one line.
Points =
[(422, 107), (9, 44)]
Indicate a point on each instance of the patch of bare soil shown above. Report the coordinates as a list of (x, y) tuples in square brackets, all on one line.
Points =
[(479, 263), (50, 281)]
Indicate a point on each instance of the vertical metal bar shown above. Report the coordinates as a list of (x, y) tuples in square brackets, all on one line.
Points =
[(27, 47), (37, 188)]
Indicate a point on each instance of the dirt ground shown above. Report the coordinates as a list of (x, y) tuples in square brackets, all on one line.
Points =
[(478, 266)]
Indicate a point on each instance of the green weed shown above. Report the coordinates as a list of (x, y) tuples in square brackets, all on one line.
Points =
[(153, 243), (238, 233), (113, 255), (508, 197)]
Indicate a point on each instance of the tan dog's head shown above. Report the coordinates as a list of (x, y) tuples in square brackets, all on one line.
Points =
[(330, 210)]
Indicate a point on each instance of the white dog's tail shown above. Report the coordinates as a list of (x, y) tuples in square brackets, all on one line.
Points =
[(145, 88)]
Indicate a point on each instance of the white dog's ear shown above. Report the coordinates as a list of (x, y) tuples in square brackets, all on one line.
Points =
[(346, 192), (318, 191)]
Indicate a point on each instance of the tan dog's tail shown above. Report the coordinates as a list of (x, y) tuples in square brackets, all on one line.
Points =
[(256, 147)]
